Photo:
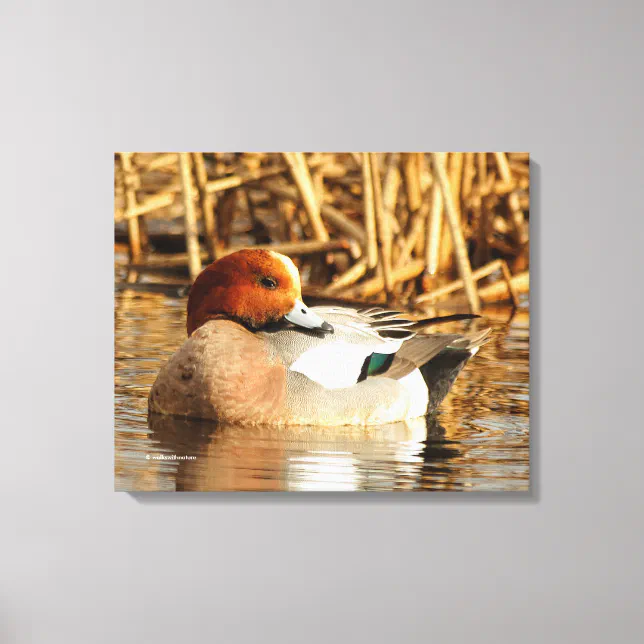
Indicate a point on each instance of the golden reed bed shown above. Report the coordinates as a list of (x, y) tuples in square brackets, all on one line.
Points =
[(409, 229)]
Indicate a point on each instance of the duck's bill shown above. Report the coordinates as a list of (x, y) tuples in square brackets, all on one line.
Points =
[(303, 316)]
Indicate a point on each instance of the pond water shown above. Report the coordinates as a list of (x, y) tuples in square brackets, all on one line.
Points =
[(478, 440)]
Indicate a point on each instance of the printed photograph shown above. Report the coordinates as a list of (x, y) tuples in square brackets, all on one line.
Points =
[(325, 322)]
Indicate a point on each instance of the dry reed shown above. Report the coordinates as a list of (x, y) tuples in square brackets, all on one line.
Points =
[(360, 225)]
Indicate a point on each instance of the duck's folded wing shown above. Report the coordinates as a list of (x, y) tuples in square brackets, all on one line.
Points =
[(421, 349), (412, 354)]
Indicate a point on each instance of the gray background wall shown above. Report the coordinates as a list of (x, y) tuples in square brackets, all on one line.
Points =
[(80, 563)]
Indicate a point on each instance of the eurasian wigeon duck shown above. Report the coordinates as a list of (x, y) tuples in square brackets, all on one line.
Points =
[(257, 354)]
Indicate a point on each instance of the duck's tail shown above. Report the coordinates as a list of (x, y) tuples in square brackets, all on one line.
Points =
[(439, 357), (441, 371)]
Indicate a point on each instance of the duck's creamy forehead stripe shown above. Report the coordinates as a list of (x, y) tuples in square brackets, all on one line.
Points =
[(290, 267)]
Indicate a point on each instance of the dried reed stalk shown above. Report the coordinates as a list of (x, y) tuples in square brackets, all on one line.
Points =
[(208, 202), (390, 188), (287, 209), (499, 290), (435, 224), (490, 182), (318, 183), (331, 169), (296, 249), (425, 176), (520, 232), (156, 202), (455, 179), (468, 175), (482, 252), (455, 172), (419, 246), (305, 223), (168, 262), (501, 188), (351, 276), (192, 236), (168, 160), (299, 248), (129, 179), (460, 249), (302, 177), (481, 170), (369, 211), (250, 176), (411, 171), (133, 230), (417, 223), (479, 273), (504, 167), (333, 216), (375, 285), (520, 169), (383, 227), (507, 276)]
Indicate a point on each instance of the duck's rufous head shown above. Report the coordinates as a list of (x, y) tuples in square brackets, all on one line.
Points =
[(254, 287)]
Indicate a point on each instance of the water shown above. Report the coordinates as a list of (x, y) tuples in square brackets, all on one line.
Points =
[(479, 439)]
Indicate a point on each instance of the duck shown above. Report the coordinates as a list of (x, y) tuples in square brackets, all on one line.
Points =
[(256, 354)]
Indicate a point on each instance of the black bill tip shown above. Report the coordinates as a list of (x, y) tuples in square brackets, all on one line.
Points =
[(326, 327)]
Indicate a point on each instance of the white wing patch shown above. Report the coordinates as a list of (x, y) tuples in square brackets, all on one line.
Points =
[(335, 365)]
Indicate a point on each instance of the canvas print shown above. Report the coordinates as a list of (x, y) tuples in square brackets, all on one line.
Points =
[(353, 321)]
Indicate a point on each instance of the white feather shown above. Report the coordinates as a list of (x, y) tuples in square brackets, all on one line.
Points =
[(415, 384), (333, 365)]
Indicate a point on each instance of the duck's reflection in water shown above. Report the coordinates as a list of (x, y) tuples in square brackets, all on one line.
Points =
[(485, 445), (301, 458)]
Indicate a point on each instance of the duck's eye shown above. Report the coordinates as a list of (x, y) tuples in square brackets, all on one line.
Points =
[(268, 282)]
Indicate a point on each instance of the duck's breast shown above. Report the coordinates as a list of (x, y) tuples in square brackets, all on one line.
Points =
[(223, 371)]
